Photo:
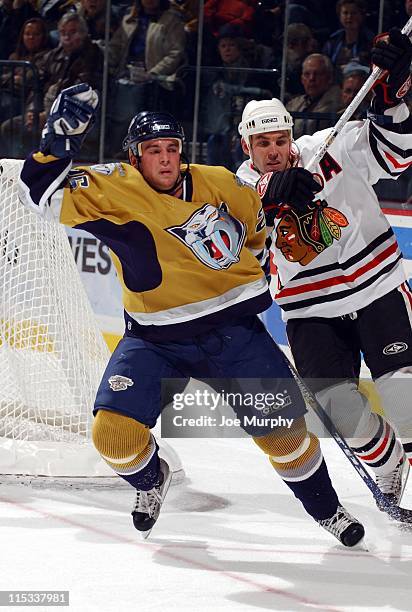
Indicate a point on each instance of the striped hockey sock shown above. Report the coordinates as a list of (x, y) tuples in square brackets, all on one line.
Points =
[(304, 471), (407, 447), (379, 448), (297, 458)]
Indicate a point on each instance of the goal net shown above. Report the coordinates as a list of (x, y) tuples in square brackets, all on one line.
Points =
[(52, 353)]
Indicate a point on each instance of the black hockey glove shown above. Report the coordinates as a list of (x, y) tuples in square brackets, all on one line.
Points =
[(295, 186), (393, 53)]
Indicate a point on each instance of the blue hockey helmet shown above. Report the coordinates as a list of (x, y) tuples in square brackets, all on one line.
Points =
[(149, 125)]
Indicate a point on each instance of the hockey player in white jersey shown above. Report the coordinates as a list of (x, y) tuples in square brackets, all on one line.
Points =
[(341, 284)]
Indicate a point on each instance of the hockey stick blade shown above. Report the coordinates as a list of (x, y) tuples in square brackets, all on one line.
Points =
[(395, 512)]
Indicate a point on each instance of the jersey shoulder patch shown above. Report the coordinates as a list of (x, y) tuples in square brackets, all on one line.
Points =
[(108, 169)]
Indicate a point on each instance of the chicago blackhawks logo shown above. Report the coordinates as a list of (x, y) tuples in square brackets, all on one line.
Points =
[(302, 235), (214, 236)]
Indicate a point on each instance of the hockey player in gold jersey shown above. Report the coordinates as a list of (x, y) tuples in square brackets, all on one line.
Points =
[(189, 246)]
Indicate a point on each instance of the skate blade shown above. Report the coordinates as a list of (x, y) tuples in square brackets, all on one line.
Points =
[(145, 534), (405, 474), (166, 485)]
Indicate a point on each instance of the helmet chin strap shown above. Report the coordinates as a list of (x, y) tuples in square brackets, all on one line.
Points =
[(176, 187), (180, 180)]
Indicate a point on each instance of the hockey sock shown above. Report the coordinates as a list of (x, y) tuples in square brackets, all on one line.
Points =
[(378, 446), (407, 447), (297, 457), (316, 493), (128, 447)]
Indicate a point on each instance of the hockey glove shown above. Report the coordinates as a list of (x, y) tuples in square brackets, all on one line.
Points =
[(71, 117), (295, 186), (393, 53)]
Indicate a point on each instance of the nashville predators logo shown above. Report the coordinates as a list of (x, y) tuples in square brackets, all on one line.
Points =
[(213, 235), (120, 383)]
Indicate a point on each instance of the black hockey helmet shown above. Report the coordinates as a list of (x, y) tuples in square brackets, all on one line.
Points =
[(148, 125)]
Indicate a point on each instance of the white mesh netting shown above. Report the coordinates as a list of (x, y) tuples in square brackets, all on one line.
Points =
[(52, 353)]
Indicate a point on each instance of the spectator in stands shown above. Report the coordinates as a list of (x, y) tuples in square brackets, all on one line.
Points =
[(189, 12), (76, 59), (239, 13), (226, 91), (300, 44), (151, 37), (13, 14), (52, 11), (6, 44), (269, 25), (321, 95), (33, 39), (17, 84), (354, 76), (319, 15), (270, 20), (144, 55), (354, 40), (94, 13)]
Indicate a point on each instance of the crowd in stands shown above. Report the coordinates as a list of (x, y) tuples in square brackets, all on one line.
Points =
[(152, 48)]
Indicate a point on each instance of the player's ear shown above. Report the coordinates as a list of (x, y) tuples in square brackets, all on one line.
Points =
[(132, 159), (245, 148)]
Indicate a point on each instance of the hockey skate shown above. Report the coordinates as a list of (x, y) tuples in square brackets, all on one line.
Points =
[(148, 503), (344, 527), (392, 485)]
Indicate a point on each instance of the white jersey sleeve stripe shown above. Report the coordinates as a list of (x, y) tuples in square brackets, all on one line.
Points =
[(388, 154)]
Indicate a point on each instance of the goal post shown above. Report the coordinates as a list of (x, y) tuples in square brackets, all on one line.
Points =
[(52, 354)]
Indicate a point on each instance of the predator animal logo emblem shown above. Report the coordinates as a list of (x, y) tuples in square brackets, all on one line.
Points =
[(120, 383)]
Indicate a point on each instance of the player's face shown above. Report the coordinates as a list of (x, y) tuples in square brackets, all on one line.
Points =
[(270, 151), (160, 163)]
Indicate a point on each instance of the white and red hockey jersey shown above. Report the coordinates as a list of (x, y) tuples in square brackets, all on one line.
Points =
[(342, 254)]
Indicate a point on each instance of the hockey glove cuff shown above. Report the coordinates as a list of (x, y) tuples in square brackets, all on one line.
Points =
[(393, 53), (295, 186), (71, 117)]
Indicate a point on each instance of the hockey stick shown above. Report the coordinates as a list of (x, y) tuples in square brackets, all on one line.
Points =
[(395, 512), (373, 77)]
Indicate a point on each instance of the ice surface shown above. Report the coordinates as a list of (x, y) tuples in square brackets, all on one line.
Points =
[(232, 538)]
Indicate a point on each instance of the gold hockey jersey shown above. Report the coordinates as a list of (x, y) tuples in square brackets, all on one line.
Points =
[(184, 266)]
